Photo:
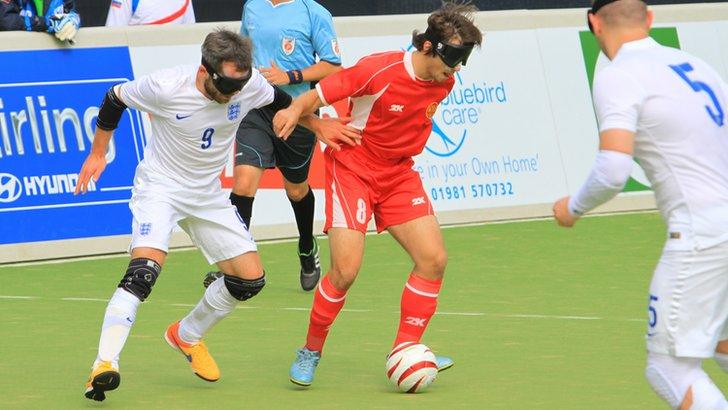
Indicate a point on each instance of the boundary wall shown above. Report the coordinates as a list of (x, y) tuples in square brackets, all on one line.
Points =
[(517, 132)]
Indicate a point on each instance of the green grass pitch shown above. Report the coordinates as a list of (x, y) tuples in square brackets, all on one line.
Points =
[(535, 317)]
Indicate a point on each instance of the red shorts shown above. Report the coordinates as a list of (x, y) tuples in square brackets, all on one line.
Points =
[(359, 185)]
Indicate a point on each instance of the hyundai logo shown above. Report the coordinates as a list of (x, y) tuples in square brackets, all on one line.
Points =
[(10, 188)]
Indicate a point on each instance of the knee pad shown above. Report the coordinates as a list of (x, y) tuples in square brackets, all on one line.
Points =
[(671, 377), (244, 289), (140, 276)]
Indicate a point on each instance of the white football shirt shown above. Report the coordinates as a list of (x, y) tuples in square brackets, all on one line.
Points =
[(191, 135), (676, 104), (140, 12)]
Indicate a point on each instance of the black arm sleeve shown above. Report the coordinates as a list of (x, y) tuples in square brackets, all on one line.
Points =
[(281, 100), (110, 112)]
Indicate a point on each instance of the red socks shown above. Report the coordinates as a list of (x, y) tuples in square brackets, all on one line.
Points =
[(327, 302), (419, 302)]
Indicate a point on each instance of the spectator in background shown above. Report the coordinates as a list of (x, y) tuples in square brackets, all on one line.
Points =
[(143, 12), (58, 17)]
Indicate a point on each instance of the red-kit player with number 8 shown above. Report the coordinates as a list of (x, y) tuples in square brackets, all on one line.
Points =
[(393, 96)]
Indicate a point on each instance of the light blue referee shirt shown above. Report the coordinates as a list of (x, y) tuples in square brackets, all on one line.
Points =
[(292, 34)]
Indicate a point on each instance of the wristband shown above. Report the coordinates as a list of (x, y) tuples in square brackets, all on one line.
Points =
[(294, 76)]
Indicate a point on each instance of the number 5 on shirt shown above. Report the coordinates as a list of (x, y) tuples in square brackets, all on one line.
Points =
[(682, 70)]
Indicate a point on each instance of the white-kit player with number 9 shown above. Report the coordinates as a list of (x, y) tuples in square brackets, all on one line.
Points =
[(195, 113), (667, 109)]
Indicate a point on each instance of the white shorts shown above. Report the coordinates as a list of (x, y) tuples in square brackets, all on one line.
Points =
[(210, 220), (688, 302)]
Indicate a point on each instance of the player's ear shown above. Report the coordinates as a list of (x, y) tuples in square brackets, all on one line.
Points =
[(426, 46), (650, 18)]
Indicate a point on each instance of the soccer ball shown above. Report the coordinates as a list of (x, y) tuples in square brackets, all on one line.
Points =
[(411, 367)]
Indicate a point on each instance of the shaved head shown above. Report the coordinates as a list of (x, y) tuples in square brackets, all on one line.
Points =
[(624, 14)]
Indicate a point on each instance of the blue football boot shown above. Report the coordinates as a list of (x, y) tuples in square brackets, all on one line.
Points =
[(304, 366)]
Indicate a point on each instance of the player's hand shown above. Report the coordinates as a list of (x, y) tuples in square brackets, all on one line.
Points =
[(92, 168), (285, 121), (562, 215), (334, 131), (274, 74)]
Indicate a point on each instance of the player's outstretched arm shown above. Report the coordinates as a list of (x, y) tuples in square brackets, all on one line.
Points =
[(277, 76), (607, 178), (285, 120), (108, 119)]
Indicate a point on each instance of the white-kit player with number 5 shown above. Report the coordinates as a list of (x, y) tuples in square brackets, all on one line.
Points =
[(195, 113), (667, 109)]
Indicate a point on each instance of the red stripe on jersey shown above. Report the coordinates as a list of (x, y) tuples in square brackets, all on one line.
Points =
[(174, 16)]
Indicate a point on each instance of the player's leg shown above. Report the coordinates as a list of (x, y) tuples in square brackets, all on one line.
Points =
[(151, 228), (246, 180), (217, 229), (253, 154), (408, 215), (348, 212), (293, 158), (419, 296), (681, 330), (347, 250), (682, 383), (304, 204)]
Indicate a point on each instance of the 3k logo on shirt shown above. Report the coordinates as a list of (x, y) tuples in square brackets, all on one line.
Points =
[(396, 108)]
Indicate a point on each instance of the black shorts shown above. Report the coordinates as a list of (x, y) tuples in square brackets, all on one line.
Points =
[(257, 145)]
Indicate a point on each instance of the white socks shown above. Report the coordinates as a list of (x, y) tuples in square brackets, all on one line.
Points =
[(216, 303), (119, 317)]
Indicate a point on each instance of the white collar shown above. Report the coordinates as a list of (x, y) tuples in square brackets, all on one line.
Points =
[(645, 43), (408, 66)]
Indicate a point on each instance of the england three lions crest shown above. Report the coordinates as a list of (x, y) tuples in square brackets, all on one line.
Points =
[(288, 44), (233, 111)]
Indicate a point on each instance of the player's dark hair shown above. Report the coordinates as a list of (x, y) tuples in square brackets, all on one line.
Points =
[(453, 18), (225, 45)]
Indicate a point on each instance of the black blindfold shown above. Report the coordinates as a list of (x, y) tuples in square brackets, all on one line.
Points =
[(226, 85), (451, 54)]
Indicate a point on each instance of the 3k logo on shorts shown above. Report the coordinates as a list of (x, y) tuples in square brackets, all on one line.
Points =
[(420, 200)]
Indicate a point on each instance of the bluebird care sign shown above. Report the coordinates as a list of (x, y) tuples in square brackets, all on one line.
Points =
[(49, 101)]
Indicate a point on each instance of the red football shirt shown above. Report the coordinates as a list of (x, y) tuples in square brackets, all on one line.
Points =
[(391, 106)]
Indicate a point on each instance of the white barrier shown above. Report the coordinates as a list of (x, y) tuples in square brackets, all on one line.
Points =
[(517, 132)]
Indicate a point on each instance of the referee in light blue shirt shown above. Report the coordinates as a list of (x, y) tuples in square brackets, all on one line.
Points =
[(294, 45)]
